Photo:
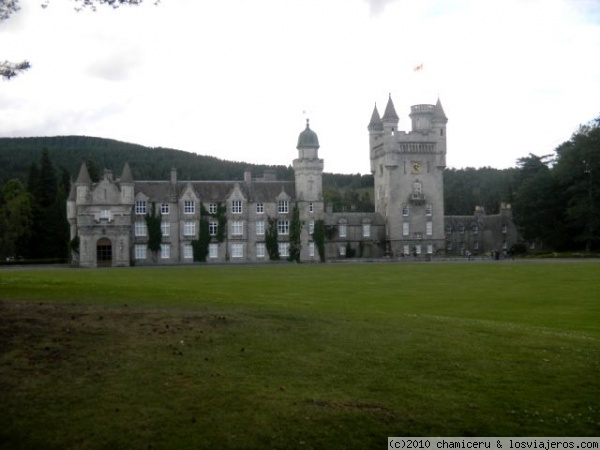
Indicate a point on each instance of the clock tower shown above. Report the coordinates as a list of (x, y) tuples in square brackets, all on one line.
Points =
[(408, 172)]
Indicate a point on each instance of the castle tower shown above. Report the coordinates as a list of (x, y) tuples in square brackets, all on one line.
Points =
[(308, 171), (308, 168), (408, 174)]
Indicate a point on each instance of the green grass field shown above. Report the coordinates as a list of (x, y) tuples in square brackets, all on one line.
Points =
[(297, 356)]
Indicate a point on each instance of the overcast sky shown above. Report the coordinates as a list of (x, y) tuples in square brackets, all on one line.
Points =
[(237, 78)]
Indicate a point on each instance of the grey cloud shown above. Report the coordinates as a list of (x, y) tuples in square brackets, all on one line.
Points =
[(377, 6)]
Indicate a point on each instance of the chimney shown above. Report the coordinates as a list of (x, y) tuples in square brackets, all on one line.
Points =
[(247, 176), (173, 176)]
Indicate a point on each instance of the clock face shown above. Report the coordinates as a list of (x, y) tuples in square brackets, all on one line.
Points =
[(416, 166)]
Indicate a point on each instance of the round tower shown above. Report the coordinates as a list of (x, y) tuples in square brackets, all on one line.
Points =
[(308, 168)]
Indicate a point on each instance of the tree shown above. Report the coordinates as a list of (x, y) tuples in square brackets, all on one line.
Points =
[(319, 238), (154, 231), (295, 235), (9, 69), (15, 220), (271, 239), (577, 170)]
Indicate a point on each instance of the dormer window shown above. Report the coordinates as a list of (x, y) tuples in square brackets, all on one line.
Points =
[(236, 206), (140, 207), (189, 207), (282, 206)]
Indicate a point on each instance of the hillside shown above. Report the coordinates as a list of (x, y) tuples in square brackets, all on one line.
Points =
[(68, 152)]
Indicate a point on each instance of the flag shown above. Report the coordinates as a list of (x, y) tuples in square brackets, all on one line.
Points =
[(419, 67)]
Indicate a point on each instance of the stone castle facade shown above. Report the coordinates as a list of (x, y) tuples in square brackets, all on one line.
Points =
[(108, 219)]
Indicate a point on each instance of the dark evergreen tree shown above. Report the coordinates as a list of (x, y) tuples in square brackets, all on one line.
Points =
[(295, 235)]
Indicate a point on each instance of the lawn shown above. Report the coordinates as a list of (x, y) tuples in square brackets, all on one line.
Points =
[(297, 356)]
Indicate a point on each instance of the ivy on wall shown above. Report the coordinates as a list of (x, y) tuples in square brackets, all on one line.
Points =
[(271, 238), (319, 238), (295, 230), (154, 231), (200, 245)]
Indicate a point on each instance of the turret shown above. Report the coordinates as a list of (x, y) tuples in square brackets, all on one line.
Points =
[(83, 184), (308, 168), (390, 119), (126, 182)]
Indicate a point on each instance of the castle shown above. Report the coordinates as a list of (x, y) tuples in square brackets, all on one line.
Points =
[(108, 219)]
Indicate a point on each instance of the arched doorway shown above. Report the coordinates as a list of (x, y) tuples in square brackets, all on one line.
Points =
[(104, 252)]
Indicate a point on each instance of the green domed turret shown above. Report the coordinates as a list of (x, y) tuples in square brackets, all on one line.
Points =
[(308, 138)]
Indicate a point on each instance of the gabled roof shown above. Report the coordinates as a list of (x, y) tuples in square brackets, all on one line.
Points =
[(216, 191)]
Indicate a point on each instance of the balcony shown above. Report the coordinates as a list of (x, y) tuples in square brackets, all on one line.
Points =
[(417, 198)]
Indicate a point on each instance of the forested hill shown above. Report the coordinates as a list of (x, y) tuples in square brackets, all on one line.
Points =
[(464, 188), (68, 152)]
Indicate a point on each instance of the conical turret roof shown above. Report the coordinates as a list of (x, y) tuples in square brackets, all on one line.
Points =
[(126, 176), (438, 111), (389, 115), (375, 124), (84, 175)]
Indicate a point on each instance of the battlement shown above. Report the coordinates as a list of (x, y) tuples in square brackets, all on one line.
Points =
[(416, 109)]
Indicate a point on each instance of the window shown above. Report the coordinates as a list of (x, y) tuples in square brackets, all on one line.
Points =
[(284, 249), (237, 228), (212, 208), (429, 228), (164, 208), (282, 206), (165, 251), (140, 206), (213, 227), (189, 207), (475, 229), (236, 206), (260, 208), (213, 250), (140, 251), (417, 188), (406, 249), (418, 249), (405, 210), (260, 227), (419, 236), (428, 210), (405, 229), (448, 230), (188, 251), (504, 229), (283, 227), (260, 250), (366, 230), (165, 228), (429, 249), (343, 230), (311, 249), (342, 250), (504, 245), (105, 214), (311, 226), (311, 207), (189, 228), (141, 229), (237, 250), (461, 228), (476, 245)]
